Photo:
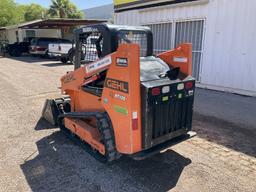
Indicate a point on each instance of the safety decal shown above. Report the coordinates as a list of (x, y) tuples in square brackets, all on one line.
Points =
[(121, 110), (98, 64), (165, 98), (122, 62), (180, 59), (117, 85), (191, 92)]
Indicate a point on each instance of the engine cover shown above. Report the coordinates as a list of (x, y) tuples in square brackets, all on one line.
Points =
[(167, 106)]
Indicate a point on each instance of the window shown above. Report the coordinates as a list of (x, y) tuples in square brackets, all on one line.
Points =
[(65, 41), (17, 36), (30, 33), (46, 41)]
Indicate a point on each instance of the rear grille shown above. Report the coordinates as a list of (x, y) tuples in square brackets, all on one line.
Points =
[(166, 116), (171, 116)]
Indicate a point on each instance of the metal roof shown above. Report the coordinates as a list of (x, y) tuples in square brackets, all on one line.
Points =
[(137, 4), (55, 23)]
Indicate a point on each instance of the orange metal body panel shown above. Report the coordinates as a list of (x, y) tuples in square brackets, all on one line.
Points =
[(81, 101), (73, 80), (128, 141), (86, 102), (85, 132), (179, 57)]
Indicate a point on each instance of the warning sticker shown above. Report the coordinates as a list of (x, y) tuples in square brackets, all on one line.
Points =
[(180, 59), (98, 64), (121, 110)]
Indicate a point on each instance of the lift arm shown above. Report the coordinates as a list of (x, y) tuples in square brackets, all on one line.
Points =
[(180, 57)]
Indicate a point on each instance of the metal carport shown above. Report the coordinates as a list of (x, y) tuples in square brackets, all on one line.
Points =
[(58, 23)]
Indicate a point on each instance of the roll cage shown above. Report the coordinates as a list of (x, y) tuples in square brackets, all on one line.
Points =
[(109, 37)]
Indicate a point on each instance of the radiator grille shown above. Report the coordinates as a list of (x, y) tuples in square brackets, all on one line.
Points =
[(170, 116), (166, 116)]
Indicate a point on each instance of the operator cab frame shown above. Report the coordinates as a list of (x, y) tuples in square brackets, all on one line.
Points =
[(109, 38)]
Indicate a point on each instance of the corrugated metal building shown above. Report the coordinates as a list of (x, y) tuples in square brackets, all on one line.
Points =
[(44, 28), (19, 33), (223, 34)]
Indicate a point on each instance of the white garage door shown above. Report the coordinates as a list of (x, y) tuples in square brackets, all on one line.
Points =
[(191, 31), (162, 36), (169, 35)]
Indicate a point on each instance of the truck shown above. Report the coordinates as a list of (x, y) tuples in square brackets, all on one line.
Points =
[(65, 52), (62, 51)]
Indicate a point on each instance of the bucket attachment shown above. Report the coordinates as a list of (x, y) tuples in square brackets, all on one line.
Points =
[(54, 107)]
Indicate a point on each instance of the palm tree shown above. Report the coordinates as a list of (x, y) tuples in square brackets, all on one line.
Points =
[(64, 9)]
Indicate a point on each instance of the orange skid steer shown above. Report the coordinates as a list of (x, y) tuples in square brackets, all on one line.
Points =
[(124, 100)]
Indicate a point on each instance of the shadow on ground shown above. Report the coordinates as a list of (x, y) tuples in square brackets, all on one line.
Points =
[(39, 60), (63, 166), (56, 64), (230, 135), (43, 124), (158, 173), (31, 59)]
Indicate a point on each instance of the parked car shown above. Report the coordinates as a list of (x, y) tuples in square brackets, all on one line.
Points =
[(3, 47), (15, 49), (18, 48), (39, 46), (62, 50), (65, 50)]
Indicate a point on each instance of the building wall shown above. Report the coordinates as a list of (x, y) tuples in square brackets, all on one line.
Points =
[(11, 34), (2, 35), (48, 33), (228, 61)]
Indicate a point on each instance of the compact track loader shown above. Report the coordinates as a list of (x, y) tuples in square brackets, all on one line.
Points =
[(125, 100)]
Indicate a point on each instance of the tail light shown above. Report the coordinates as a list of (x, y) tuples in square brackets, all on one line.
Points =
[(135, 123), (180, 86), (155, 91), (189, 85), (166, 89), (40, 49)]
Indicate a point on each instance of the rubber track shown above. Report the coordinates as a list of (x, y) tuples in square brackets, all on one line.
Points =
[(107, 135)]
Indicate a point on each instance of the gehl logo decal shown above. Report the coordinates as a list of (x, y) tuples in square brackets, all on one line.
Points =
[(117, 85)]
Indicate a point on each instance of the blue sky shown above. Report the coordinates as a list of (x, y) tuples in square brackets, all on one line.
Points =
[(81, 4)]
